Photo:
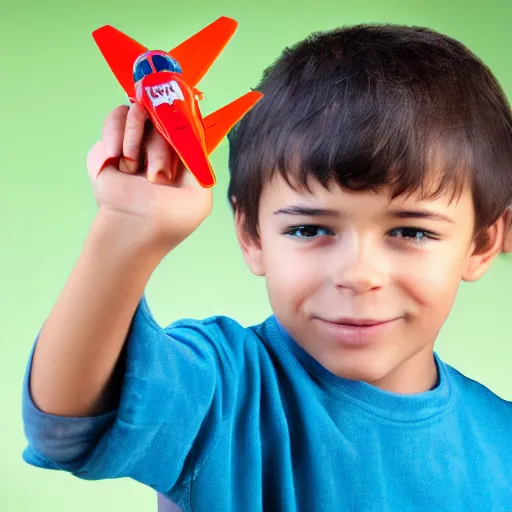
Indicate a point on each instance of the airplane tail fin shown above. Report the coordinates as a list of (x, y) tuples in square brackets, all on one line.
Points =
[(218, 123)]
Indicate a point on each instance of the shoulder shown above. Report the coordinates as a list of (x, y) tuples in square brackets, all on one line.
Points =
[(220, 336), (218, 328), (478, 399), (229, 340)]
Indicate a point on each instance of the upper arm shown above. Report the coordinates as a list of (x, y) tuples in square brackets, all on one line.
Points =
[(175, 386)]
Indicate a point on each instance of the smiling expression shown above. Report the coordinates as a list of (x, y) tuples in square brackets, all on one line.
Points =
[(362, 282)]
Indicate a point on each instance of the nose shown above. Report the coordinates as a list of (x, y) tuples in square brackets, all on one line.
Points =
[(359, 266)]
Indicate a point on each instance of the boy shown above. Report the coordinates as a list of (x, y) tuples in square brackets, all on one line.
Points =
[(371, 179)]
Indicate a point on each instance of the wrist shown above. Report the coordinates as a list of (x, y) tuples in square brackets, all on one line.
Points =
[(129, 235)]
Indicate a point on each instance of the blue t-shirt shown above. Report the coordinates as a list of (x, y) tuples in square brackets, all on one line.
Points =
[(219, 417)]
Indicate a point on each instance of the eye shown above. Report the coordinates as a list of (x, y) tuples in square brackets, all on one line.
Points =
[(307, 232), (414, 235)]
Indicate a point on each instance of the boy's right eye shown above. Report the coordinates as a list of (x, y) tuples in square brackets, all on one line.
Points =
[(307, 231)]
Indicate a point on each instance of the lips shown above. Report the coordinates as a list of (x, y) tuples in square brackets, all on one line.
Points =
[(366, 322), (357, 332)]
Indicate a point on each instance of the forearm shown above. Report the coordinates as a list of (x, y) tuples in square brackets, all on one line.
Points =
[(81, 341)]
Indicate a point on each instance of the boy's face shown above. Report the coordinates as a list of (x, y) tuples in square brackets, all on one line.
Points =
[(333, 259)]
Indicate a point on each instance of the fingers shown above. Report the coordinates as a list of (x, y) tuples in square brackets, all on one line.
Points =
[(133, 138), (125, 140), (123, 134), (161, 159), (96, 159), (113, 131)]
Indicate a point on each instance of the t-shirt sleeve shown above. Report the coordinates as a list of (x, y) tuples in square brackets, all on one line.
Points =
[(178, 383)]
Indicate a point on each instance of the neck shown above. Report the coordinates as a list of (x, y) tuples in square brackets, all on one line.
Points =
[(417, 374)]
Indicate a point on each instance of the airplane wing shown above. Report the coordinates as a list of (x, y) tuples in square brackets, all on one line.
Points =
[(120, 52), (199, 52), (178, 130), (218, 123)]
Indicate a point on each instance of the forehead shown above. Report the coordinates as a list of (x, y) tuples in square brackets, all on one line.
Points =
[(278, 193)]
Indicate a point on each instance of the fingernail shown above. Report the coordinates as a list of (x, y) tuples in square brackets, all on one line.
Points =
[(127, 165), (123, 167), (131, 164), (158, 177)]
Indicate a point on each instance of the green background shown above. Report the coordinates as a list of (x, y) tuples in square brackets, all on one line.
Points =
[(56, 90)]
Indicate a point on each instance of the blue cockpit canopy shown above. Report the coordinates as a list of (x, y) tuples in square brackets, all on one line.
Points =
[(165, 63), (160, 63), (142, 68)]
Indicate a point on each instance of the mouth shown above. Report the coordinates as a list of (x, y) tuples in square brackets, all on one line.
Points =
[(356, 331), (366, 322)]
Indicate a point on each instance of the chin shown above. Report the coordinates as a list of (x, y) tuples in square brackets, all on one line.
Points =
[(362, 371)]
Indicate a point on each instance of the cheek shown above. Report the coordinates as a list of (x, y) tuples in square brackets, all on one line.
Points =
[(291, 275), (433, 280)]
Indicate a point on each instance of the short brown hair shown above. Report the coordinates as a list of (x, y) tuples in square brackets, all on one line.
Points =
[(369, 106)]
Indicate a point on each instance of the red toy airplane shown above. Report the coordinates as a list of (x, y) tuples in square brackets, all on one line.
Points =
[(164, 84)]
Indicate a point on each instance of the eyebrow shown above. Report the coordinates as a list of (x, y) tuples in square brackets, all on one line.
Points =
[(307, 211), (420, 214)]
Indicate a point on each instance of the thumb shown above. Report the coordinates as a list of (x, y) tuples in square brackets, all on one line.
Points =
[(98, 159)]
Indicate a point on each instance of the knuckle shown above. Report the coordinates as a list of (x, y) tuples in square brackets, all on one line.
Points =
[(131, 148), (132, 142)]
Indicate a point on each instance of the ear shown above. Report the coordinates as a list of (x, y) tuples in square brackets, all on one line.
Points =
[(483, 254), (250, 246), (507, 238)]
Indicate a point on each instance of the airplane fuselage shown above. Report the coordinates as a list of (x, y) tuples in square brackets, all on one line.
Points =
[(172, 106), (165, 88)]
